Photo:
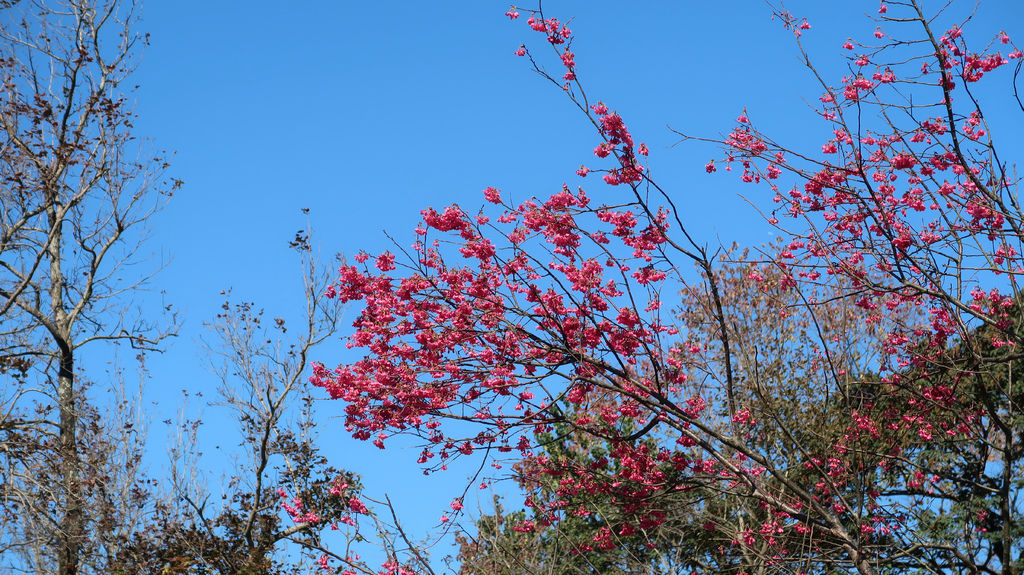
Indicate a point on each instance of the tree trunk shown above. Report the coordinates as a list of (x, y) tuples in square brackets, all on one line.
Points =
[(69, 535), (72, 523)]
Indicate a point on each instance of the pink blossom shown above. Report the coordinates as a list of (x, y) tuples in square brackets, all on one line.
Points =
[(525, 527), (336, 489), (386, 262), (357, 506), (884, 78), (903, 161), (492, 195)]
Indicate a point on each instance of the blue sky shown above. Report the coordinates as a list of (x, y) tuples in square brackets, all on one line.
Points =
[(368, 112)]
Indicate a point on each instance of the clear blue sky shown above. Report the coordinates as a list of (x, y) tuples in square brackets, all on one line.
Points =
[(368, 112)]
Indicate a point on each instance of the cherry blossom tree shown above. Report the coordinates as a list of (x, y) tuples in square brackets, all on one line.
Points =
[(496, 334), (776, 374)]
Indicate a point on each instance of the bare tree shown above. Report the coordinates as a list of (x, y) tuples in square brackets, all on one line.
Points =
[(283, 508), (76, 193), (260, 364)]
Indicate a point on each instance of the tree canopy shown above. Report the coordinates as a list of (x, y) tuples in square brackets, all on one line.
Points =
[(833, 402)]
